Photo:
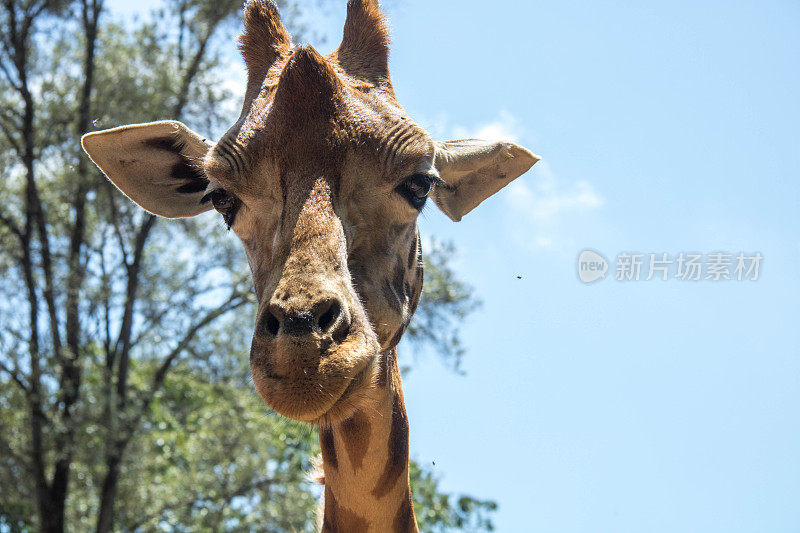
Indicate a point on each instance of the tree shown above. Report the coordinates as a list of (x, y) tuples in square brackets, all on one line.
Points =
[(125, 399), (446, 303)]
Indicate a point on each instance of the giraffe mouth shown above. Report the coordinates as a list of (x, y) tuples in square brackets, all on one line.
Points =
[(323, 397), (354, 396)]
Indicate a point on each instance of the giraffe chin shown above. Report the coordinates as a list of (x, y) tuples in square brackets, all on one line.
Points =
[(357, 394), (316, 399)]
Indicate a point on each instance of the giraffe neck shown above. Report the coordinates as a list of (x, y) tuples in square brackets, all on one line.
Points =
[(365, 459)]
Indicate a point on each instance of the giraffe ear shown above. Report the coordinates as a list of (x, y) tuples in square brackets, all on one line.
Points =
[(364, 52), (157, 165), (474, 170)]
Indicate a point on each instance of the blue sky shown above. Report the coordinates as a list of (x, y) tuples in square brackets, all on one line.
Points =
[(664, 128)]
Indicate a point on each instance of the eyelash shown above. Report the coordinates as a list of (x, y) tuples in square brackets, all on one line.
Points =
[(216, 197), (410, 188)]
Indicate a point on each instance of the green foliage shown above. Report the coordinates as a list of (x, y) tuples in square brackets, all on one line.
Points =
[(437, 511), (211, 457), (445, 302)]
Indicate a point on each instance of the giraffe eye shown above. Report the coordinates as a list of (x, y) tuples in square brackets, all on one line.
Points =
[(416, 189), (226, 204), (222, 201)]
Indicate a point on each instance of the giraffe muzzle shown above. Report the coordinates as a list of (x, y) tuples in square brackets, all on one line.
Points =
[(308, 353)]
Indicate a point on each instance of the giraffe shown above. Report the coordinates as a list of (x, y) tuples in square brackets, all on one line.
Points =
[(322, 178)]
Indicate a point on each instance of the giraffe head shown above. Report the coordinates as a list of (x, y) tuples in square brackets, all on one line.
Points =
[(322, 178)]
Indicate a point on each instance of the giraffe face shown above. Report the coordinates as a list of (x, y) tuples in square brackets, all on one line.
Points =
[(322, 181), (322, 178)]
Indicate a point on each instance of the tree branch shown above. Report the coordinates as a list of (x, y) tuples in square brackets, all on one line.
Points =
[(7, 75), (119, 442), (16, 44), (242, 490), (12, 226), (19, 43), (123, 345), (9, 135), (15, 375), (117, 231), (151, 321), (191, 72), (70, 380), (236, 300), (122, 348)]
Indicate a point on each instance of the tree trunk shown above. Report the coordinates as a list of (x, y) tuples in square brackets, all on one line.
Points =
[(105, 518), (52, 514)]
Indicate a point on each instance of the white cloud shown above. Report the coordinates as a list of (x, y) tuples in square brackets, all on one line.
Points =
[(545, 197), (549, 204), (505, 127)]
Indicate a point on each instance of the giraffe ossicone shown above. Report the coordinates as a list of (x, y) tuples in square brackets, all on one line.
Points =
[(322, 178)]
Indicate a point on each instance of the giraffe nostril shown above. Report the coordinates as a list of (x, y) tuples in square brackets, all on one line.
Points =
[(271, 324), (327, 318), (334, 320)]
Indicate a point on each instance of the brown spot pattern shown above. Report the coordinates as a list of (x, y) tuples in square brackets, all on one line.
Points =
[(355, 433), (397, 336), (328, 449), (340, 520), (404, 519), (392, 298), (395, 291), (417, 292), (397, 460), (399, 280)]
